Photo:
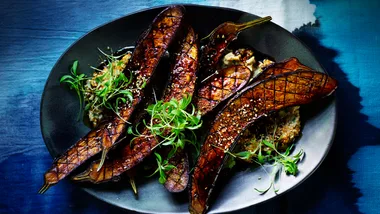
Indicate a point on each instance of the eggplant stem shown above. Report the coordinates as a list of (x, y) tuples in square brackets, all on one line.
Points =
[(44, 188), (133, 185), (81, 177), (243, 26), (102, 159)]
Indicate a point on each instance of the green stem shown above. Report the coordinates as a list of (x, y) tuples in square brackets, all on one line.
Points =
[(243, 26)]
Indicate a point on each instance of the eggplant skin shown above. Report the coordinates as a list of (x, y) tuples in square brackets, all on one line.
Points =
[(258, 100)]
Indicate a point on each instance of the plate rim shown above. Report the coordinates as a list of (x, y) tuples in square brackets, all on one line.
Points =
[(238, 208)]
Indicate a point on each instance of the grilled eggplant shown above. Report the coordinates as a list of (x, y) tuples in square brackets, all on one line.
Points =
[(177, 178), (182, 83), (109, 170), (209, 95), (282, 127), (144, 60), (218, 40), (257, 100), (220, 87), (289, 65)]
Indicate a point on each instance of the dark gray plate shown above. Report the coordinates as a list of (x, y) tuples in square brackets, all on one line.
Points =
[(59, 108)]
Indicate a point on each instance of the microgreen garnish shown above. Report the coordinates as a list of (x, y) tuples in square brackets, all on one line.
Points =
[(112, 85), (170, 121), (162, 167), (76, 82), (174, 125), (279, 161), (289, 163), (109, 88)]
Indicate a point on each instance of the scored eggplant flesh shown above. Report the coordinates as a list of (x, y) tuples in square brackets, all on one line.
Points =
[(257, 100), (220, 87), (177, 178), (282, 127), (289, 65)]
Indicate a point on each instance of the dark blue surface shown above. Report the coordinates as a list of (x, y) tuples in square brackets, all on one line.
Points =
[(345, 39)]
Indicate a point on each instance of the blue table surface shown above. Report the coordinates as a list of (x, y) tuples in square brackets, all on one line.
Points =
[(345, 38)]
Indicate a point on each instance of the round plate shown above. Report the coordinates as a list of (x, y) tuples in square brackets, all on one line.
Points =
[(59, 109)]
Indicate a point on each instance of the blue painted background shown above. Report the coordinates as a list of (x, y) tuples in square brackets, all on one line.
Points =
[(345, 39)]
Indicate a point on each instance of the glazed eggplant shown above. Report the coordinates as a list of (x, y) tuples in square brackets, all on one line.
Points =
[(281, 127), (221, 87), (291, 64), (209, 94), (232, 79), (257, 100), (177, 178), (218, 40), (182, 83), (212, 92), (145, 58)]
